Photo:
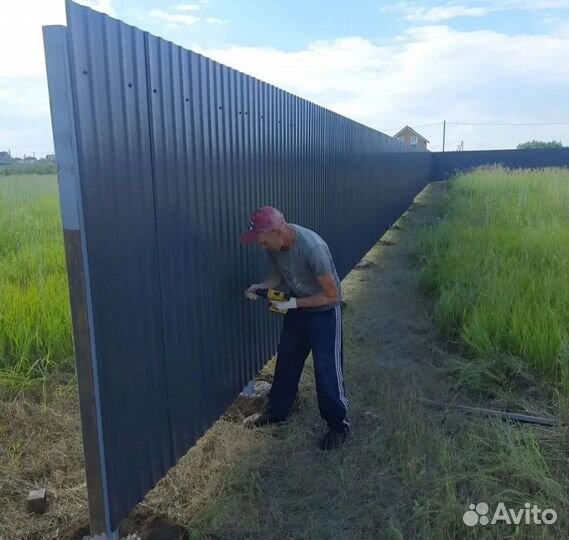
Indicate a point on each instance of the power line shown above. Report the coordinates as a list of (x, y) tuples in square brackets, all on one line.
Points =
[(509, 124), (30, 145), (489, 124)]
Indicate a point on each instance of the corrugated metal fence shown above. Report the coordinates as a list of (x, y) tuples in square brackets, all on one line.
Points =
[(162, 155), (445, 164)]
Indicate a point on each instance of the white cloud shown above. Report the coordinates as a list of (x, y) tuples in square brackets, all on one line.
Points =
[(24, 116), (187, 7), (538, 4), (431, 73), (21, 40), (24, 105), (419, 12), (215, 20), (104, 6), (178, 20), (444, 13), (414, 12), (173, 18), (424, 75)]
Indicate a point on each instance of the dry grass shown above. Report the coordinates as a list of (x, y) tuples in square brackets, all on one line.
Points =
[(40, 447), (409, 472)]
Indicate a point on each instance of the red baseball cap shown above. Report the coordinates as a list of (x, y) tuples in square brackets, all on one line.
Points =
[(263, 219)]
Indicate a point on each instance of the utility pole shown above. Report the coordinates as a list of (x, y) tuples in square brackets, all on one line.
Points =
[(444, 133)]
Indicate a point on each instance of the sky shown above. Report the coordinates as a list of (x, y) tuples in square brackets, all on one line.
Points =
[(384, 64)]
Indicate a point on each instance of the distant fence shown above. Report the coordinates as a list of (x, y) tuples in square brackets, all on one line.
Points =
[(445, 164), (162, 154)]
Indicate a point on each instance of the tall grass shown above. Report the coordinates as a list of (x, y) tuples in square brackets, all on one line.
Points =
[(498, 263), (35, 326)]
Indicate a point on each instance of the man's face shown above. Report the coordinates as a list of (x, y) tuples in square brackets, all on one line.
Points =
[(271, 241)]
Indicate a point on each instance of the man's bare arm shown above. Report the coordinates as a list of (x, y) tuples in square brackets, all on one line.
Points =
[(328, 295)]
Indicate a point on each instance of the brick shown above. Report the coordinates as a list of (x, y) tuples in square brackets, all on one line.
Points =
[(37, 501)]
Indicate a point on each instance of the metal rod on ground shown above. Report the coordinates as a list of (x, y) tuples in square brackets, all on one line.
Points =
[(518, 417)]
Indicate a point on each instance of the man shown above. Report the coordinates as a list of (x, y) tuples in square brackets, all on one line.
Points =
[(301, 259)]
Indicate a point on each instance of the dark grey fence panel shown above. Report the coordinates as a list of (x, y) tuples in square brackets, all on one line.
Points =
[(205, 178), (445, 164), (108, 77), (174, 152)]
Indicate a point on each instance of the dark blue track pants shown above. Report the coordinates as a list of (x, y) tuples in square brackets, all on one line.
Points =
[(321, 332)]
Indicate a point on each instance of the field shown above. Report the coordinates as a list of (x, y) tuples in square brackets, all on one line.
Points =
[(498, 266), (28, 169), (35, 327), (466, 302)]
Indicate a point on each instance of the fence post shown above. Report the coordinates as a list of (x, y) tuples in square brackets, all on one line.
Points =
[(65, 143)]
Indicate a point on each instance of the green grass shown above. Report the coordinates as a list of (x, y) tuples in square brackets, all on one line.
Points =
[(498, 263), (35, 326), (27, 169)]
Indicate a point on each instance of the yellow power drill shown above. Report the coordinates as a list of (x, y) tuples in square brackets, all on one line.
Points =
[(277, 296)]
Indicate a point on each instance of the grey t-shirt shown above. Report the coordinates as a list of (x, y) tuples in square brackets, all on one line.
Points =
[(300, 265)]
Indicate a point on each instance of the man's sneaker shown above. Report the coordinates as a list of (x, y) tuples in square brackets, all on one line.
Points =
[(261, 419), (333, 439)]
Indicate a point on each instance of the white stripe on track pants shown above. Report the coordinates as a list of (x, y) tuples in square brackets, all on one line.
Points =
[(321, 332)]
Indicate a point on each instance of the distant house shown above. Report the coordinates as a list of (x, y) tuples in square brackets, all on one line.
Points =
[(410, 136), (50, 158), (29, 159), (5, 158)]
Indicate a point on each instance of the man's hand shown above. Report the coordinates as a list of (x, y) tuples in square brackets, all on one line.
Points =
[(271, 282), (250, 292), (283, 306)]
